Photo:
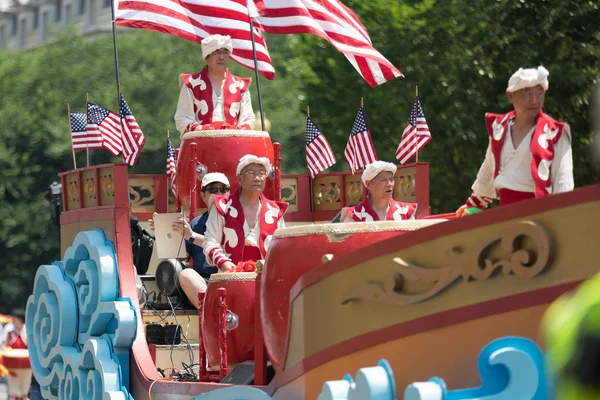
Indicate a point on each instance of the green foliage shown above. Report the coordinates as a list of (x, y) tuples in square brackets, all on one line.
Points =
[(459, 53)]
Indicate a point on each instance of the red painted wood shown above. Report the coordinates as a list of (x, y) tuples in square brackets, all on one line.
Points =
[(223, 370), (201, 349), (193, 183), (260, 351)]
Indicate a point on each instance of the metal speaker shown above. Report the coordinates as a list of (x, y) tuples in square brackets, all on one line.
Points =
[(167, 276)]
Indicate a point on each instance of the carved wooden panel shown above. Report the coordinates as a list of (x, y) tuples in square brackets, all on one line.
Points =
[(107, 188), (405, 184), (89, 188), (72, 191), (354, 189), (142, 194), (326, 193), (289, 193)]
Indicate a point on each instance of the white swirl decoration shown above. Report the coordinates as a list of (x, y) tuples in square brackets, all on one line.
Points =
[(80, 331)]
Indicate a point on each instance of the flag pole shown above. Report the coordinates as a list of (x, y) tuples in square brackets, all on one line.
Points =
[(260, 104), (114, 32), (169, 186), (87, 142), (362, 103), (417, 136), (71, 132), (308, 111)]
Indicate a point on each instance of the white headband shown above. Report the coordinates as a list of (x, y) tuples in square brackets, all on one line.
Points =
[(214, 177), (252, 159), (530, 77), (214, 43), (374, 169)]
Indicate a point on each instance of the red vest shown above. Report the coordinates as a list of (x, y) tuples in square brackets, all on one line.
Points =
[(15, 341), (233, 239), (547, 133), (233, 89), (398, 211)]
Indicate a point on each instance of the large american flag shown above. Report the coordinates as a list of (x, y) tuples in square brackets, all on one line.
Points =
[(416, 134), (334, 22), (360, 150), (133, 138), (107, 124), (319, 156), (79, 136), (171, 168), (194, 20)]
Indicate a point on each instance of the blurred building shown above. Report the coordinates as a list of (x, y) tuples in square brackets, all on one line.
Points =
[(26, 24)]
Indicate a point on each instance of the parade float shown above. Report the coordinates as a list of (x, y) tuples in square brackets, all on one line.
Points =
[(395, 303)]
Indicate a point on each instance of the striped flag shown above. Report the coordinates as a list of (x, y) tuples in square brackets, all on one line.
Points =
[(319, 156), (133, 138), (360, 150), (416, 134), (195, 20), (171, 169), (79, 136), (334, 22), (107, 124)]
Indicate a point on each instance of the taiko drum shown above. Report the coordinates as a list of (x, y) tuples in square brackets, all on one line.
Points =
[(241, 297)]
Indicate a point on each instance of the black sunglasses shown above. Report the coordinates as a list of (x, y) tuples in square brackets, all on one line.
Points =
[(215, 190)]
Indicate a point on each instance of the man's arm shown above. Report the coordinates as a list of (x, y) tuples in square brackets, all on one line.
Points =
[(562, 167), (185, 120), (212, 242), (246, 113), (483, 187)]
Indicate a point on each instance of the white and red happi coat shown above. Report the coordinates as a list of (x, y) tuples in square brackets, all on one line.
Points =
[(545, 136), (397, 211), (233, 238), (201, 87)]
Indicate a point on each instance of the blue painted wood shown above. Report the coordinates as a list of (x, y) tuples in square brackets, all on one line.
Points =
[(372, 383), (234, 393), (79, 331)]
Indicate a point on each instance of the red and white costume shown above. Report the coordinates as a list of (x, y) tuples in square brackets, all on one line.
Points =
[(202, 104), (19, 378), (542, 164), (363, 212), (228, 236)]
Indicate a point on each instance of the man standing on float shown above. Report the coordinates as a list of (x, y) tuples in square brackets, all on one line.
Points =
[(214, 98), (240, 226), (529, 154)]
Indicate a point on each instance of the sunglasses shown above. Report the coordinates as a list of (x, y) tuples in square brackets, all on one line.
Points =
[(215, 190)]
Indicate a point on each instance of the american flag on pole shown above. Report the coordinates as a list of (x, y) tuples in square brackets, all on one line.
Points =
[(334, 22), (319, 156), (107, 124), (360, 150), (195, 20), (416, 134), (79, 136), (171, 169), (133, 138)]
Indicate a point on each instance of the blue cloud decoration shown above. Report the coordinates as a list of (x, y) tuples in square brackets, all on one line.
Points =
[(79, 330)]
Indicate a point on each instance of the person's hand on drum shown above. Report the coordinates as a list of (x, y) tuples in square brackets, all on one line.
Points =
[(228, 266)]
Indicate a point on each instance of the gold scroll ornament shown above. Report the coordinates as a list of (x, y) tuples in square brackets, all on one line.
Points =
[(475, 264)]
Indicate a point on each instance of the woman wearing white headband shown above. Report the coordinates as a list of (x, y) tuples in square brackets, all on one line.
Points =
[(240, 225), (214, 94), (529, 154), (378, 178)]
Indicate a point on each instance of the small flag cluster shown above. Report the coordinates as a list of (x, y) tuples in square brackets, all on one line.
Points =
[(360, 150), (100, 128)]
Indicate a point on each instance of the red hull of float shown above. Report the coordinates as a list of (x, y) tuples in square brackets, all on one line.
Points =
[(241, 299), (287, 260), (220, 151)]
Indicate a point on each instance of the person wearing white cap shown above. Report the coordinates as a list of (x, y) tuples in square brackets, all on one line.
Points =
[(241, 225), (378, 178), (214, 96), (529, 154), (194, 280)]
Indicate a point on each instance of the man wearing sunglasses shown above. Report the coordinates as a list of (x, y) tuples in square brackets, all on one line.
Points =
[(241, 225), (194, 280), (214, 98)]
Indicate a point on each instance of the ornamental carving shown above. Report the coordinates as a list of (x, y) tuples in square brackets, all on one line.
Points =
[(142, 194), (326, 193), (405, 186), (89, 188), (72, 192), (475, 264), (106, 185), (289, 191)]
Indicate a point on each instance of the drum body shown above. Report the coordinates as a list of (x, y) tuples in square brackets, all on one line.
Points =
[(19, 378), (241, 298), (220, 151), (296, 250)]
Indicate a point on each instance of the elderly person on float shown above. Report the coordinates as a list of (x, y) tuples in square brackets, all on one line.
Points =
[(529, 154), (240, 226), (378, 178), (214, 98)]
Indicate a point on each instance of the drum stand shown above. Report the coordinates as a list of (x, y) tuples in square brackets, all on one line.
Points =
[(205, 375)]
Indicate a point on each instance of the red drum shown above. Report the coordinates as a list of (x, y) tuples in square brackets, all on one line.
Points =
[(296, 250), (19, 378), (220, 151), (241, 298)]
